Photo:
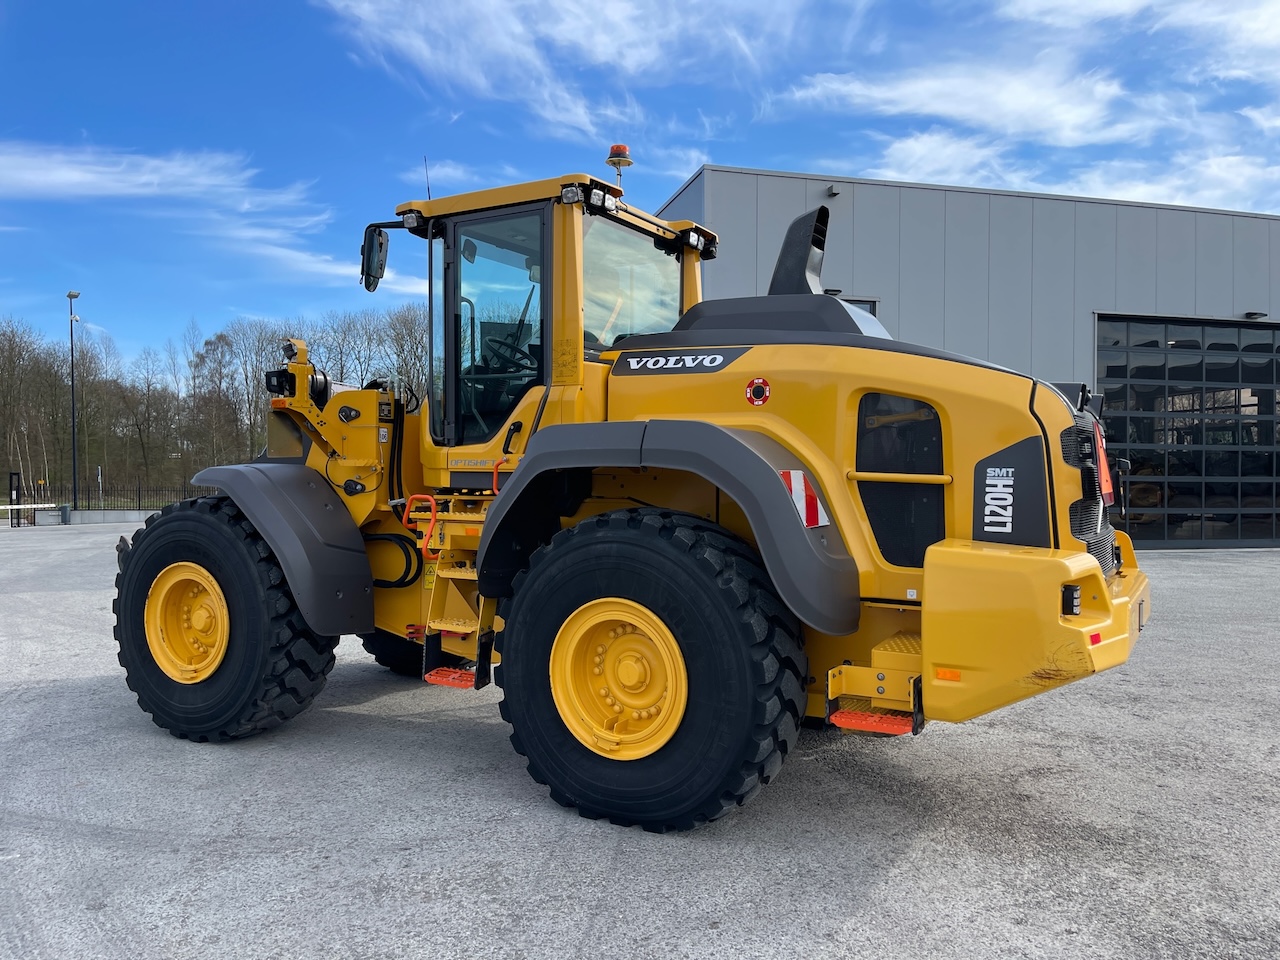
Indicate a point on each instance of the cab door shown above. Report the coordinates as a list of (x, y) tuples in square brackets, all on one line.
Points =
[(491, 337)]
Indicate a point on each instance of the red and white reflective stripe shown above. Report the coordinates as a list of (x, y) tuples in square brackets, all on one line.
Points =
[(805, 498)]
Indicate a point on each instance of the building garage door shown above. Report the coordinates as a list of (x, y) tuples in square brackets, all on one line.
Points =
[(1192, 406)]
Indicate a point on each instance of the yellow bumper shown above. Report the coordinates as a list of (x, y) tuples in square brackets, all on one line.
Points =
[(993, 631)]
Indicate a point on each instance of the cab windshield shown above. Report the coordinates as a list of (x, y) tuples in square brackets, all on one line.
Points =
[(629, 285)]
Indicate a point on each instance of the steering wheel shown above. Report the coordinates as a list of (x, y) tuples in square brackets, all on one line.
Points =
[(515, 357)]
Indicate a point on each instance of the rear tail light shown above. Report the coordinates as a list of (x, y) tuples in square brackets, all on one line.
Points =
[(1071, 600)]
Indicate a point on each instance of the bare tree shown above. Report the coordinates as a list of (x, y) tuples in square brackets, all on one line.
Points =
[(196, 402)]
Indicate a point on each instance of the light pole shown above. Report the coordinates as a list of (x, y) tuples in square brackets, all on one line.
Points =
[(75, 473)]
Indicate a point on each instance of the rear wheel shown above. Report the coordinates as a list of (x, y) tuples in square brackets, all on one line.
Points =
[(651, 674), (210, 636)]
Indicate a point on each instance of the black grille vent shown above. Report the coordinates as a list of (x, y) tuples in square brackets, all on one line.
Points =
[(1100, 541), (1102, 547), (1086, 513), (1077, 441), (1071, 446)]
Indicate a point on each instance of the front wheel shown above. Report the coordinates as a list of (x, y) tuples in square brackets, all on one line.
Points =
[(650, 673), (210, 636)]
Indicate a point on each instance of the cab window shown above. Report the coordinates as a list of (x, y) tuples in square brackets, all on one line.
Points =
[(629, 285), (498, 315)]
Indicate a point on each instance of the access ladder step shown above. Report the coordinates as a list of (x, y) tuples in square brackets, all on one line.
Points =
[(451, 677), (457, 571), (455, 627), (893, 724)]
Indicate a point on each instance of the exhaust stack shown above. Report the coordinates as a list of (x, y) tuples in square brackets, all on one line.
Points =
[(799, 266)]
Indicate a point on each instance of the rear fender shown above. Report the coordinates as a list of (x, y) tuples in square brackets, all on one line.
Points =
[(811, 569), (313, 536)]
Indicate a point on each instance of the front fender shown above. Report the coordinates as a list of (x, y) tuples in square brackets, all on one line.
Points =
[(309, 529)]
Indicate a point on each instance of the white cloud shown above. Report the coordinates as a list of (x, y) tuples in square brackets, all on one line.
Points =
[(1204, 177), (449, 176), (277, 241), (1046, 100), (1071, 13), (443, 173), (678, 162), (532, 51), (263, 223), (1228, 38), (1241, 38), (939, 156), (1266, 118), (408, 286), (38, 171)]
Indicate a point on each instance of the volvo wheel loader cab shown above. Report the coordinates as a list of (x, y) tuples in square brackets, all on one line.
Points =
[(671, 530)]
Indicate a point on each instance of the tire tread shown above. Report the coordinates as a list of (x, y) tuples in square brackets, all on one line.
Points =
[(299, 660), (781, 663)]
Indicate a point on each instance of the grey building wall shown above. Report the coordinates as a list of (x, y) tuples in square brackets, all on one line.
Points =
[(1014, 278)]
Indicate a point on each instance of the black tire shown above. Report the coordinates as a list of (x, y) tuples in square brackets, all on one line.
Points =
[(274, 663), (742, 652), (400, 656)]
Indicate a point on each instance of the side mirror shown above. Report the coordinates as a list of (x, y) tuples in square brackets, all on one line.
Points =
[(373, 257), (469, 250)]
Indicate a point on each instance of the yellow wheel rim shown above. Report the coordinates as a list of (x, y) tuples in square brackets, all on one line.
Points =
[(618, 679), (187, 622)]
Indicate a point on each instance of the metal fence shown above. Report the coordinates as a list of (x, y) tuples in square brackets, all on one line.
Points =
[(116, 496)]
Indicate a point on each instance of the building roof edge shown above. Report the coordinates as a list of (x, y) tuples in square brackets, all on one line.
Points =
[(837, 178)]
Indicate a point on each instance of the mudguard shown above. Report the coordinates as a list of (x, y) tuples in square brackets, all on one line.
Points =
[(310, 531), (811, 569)]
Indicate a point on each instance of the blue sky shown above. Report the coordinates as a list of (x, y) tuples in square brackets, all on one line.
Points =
[(178, 160)]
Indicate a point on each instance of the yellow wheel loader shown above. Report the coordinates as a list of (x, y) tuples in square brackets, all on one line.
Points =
[(672, 530)]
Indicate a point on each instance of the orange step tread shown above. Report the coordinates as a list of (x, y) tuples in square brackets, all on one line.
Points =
[(451, 677), (872, 722)]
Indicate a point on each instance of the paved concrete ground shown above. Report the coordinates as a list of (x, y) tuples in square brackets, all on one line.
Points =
[(1132, 815)]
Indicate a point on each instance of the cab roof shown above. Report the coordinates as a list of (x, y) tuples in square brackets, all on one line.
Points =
[(534, 190)]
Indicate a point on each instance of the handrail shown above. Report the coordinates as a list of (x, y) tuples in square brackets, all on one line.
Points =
[(413, 524), (936, 479)]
